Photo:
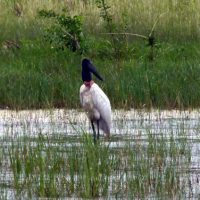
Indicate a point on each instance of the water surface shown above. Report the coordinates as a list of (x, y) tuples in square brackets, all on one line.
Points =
[(134, 125)]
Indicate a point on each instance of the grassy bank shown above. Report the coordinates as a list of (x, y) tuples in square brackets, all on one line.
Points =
[(35, 75), (179, 21)]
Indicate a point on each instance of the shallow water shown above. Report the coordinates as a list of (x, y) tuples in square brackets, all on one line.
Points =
[(68, 122), (135, 124)]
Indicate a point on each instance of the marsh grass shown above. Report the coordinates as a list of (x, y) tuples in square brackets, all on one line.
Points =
[(37, 76), (57, 167), (180, 21), (40, 77)]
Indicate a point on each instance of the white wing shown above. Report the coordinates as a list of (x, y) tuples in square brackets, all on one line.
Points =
[(102, 104)]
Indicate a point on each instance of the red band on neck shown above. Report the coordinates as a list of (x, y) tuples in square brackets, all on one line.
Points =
[(88, 83)]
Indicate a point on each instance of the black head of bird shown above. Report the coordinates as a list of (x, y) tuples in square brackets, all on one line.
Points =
[(87, 69)]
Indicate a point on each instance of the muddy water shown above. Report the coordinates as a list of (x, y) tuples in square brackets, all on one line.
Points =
[(125, 125)]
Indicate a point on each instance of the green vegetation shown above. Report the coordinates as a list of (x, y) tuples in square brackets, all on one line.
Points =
[(148, 54), (60, 166), (157, 71)]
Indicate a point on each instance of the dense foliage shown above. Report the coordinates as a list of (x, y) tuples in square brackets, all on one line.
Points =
[(66, 31)]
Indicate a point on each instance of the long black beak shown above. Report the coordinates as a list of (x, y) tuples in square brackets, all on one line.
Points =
[(94, 71)]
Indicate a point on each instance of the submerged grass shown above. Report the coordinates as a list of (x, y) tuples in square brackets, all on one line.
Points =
[(46, 167)]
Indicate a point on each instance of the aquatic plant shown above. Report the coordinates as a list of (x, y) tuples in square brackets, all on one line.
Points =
[(57, 167)]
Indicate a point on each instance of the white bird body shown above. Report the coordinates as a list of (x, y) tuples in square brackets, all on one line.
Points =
[(97, 106)]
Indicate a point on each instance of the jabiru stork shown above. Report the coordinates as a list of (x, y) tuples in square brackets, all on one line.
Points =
[(94, 101)]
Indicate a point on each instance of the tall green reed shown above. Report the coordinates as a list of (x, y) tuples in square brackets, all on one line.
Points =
[(46, 167), (39, 77)]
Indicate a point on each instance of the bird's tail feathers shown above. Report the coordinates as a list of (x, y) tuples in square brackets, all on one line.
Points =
[(104, 126)]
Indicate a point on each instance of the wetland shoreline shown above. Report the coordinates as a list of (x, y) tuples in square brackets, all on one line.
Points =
[(50, 154)]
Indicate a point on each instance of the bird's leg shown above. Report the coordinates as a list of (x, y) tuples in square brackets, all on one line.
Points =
[(97, 129), (94, 132)]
